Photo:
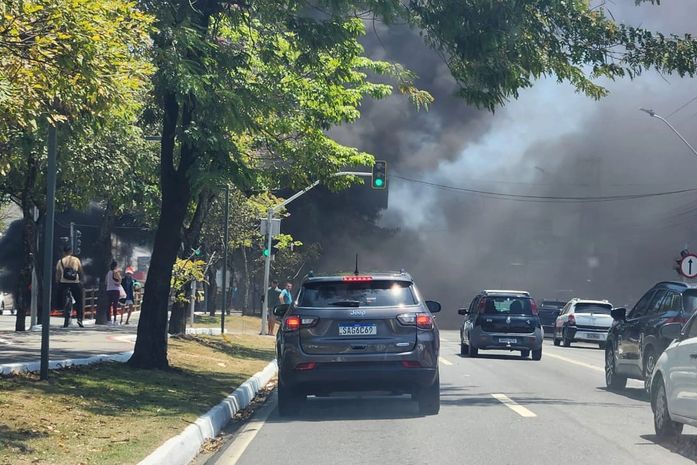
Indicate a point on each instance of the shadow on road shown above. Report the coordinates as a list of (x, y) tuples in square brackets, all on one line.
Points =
[(686, 446), (630, 393), (494, 356), (356, 407)]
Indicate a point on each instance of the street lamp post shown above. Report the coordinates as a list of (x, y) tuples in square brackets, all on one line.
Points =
[(653, 114), (225, 247), (267, 260)]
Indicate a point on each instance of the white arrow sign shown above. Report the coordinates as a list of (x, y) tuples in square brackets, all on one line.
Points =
[(688, 266)]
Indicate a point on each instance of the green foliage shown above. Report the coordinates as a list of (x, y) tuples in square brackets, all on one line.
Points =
[(183, 273)]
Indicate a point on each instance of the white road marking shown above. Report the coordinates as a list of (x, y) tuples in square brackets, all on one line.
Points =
[(511, 404), (444, 361), (5, 341), (575, 362), (444, 339), (244, 438)]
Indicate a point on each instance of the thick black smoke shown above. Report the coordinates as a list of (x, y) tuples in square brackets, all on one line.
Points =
[(551, 142)]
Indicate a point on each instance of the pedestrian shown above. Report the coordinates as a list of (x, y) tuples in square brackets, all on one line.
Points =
[(272, 298), (286, 296), (113, 291), (128, 284), (68, 277)]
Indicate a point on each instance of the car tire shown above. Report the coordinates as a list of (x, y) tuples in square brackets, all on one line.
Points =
[(613, 381), (289, 400), (565, 340), (557, 342), (464, 349), (666, 429), (649, 365), (472, 351), (537, 354), (524, 353), (601, 345), (429, 398)]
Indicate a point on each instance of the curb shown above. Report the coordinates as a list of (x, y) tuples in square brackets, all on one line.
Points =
[(184, 447), (205, 331), (30, 367)]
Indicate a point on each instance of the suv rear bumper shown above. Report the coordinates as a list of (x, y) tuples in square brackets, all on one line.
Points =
[(346, 377), (586, 335), (506, 341)]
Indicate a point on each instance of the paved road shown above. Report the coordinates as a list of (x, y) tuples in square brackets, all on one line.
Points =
[(71, 342), (496, 409)]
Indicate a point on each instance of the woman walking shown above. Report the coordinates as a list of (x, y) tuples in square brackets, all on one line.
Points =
[(113, 290)]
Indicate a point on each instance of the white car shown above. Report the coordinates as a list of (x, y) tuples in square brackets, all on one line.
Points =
[(583, 321), (674, 381), (6, 303)]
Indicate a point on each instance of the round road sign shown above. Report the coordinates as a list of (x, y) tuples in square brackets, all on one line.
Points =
[(688, 266)]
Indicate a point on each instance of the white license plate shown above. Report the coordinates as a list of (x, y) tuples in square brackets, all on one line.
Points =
[(358, 330), (507, 340), (595, 336)]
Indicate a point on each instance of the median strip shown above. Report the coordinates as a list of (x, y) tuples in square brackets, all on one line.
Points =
[(511, 404)]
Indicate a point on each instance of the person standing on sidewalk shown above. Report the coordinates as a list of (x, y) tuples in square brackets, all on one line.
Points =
[(128, 284), (68, 274), (286, 296), (113, 290), (272, 294)]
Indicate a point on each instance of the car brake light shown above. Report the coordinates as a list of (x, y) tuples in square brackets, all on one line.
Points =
[(572, 319), (292, 323), (482, 305), (305, 366), (676, 319), (408, 319), (533, 306), (424, 321), (411, 364), (354, 279)]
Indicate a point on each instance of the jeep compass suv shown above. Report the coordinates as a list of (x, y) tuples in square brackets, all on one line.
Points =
[(358, 333)]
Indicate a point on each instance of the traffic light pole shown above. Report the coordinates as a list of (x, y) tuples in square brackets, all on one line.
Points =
[(267, 260)]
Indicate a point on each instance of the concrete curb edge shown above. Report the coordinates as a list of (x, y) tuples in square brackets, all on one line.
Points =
[(30, 367), (184, 447)]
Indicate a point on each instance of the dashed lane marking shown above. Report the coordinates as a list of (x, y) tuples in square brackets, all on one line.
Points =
[(511, 404), (575, 362), (444, 361), (5, 341)]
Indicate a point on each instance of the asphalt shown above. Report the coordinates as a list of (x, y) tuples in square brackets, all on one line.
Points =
[(495, 409), (64, 343)]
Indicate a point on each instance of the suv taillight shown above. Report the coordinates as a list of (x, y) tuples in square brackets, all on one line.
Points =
[(420, 320), (572, 319), (533, 306), (482, 304), (295, 322)]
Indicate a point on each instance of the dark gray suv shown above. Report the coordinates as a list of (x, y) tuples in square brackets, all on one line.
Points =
[(358, 333)]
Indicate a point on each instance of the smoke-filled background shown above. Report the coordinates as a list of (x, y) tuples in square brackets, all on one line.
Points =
[(551, 142)]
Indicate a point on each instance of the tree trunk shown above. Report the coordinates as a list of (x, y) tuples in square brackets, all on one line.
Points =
[(177, 320), (151, 344), (104, 258), (247, 280), (192, 234), (211, 291), (29, 251)]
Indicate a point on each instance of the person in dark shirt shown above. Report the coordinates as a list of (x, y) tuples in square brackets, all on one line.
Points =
[(129, 285)]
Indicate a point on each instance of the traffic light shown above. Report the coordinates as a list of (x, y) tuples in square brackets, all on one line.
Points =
[(379, 180), (274, 249), (78, 242)]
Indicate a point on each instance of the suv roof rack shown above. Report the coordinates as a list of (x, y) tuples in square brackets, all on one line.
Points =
[(505, 291)]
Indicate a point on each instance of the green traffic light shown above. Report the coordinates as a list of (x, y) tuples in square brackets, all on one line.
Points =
[(266, 252), (379, 182)]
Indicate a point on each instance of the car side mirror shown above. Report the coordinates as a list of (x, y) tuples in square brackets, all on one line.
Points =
[(619, 314), (463, 311), (280, 310), (433, 306), (671, 331)]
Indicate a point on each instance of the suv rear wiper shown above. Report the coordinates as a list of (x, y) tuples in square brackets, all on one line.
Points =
[(346, 303)]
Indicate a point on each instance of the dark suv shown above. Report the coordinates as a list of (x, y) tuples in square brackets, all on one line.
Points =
[(358, 333), (505, 320), (634, 342), (549, 311)]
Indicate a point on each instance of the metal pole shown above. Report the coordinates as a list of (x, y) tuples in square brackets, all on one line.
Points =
[(654, 115), (225, 246), (192, 303), (48, 248), (267, 271), (72, 236), (34, 306)]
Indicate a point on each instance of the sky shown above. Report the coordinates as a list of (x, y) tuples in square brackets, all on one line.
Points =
[(551, 141)]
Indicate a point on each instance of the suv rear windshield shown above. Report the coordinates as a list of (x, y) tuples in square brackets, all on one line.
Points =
[(593, 308), (381, 293), (511, 305)]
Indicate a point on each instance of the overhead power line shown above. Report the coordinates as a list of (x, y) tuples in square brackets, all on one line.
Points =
[(680, 108), (545, 198)]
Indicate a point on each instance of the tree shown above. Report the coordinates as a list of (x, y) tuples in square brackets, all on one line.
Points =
[(185, 272), (72, 62), (240, 82)]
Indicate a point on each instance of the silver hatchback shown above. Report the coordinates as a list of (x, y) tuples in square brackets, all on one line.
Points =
[(358, 333)]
